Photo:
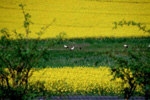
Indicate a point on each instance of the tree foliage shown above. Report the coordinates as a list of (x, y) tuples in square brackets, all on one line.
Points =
[(122, 23), (133, 66), (18, 57)]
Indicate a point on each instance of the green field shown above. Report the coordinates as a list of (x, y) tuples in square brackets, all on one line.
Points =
[(93, 52)]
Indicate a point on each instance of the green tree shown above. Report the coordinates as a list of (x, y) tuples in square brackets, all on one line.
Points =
[(133, 66), (18, 57)]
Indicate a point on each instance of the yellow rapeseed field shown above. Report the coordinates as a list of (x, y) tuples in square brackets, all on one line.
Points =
[(77, 18), (74, 80)]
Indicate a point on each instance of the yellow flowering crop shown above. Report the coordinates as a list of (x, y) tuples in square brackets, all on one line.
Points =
[(78, 18), (75, 80)]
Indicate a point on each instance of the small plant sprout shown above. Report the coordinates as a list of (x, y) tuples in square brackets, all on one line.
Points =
[(72, 48), (149, 46), (125, 45)]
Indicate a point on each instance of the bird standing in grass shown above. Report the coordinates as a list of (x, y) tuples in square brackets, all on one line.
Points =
[(72, 48), (126, 46), (65, 46)]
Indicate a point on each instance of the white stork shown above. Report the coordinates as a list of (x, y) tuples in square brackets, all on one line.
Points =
[(72, 48), (126, 46), (65, 46)]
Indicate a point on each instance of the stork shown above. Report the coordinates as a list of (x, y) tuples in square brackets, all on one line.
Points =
[(65, 46), (126, 46), (72, 48)]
